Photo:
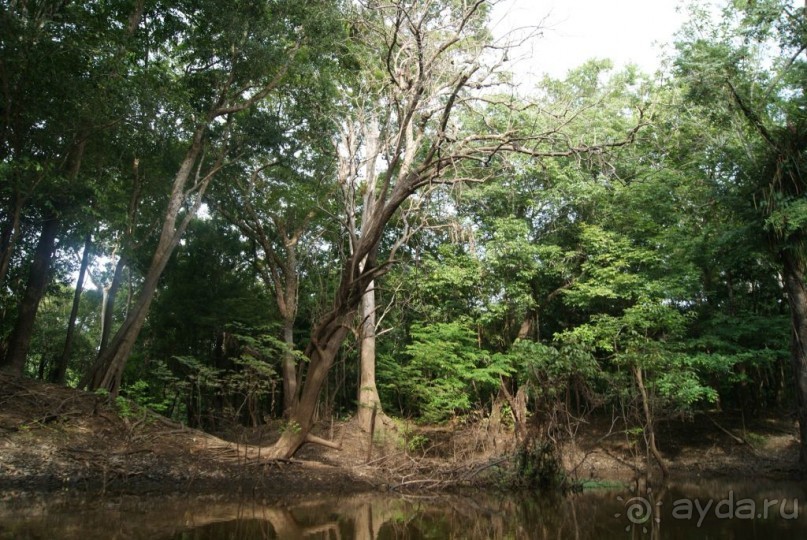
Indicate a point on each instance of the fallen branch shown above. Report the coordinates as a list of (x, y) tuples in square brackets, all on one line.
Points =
[(738, 440)]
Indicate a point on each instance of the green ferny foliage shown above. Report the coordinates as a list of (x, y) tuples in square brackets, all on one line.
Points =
[(445, 367)]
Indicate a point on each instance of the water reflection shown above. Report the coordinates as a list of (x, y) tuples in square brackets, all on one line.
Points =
[(717, 510)]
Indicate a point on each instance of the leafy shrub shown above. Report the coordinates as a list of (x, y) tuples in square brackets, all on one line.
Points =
[(445, 369), (538, 466)]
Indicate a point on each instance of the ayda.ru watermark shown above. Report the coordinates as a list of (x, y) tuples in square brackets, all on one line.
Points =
[(644, 510)]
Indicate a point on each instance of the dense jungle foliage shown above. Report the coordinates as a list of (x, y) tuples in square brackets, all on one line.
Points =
[(244, 211)]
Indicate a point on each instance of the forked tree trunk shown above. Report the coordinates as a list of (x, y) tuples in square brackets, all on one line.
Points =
[(59, 371), (283, 278), (280, 274), (20, 340), (426, 80), (111, 362), (797, 298), (369, 402), (325, 343), (328, 336)]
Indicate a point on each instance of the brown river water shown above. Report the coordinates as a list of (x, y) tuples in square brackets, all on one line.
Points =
[(684, 510)]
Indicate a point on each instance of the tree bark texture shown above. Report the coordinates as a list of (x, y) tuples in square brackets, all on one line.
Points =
[(289, 369), (369, 402), (20, 339), (326, 340)]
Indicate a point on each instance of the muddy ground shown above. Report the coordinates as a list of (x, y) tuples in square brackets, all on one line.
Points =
[(54, 438)]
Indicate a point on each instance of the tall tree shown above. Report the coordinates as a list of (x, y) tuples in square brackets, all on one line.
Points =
[(20, 339), (230, 60), (276, 217), (749, 73), (280, 198), (435, 61), (56, 98)]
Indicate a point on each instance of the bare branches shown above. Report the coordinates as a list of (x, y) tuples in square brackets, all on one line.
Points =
[(422, 113)]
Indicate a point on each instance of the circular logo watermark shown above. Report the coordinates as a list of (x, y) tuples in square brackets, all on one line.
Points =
[(645, 512), (639, 511)]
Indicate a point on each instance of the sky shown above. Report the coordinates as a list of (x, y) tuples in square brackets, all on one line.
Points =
[(626, 31)]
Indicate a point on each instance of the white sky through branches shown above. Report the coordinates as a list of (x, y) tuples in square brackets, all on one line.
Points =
[(626, 31)]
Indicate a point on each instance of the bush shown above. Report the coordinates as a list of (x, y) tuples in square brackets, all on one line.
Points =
[(538, 467)]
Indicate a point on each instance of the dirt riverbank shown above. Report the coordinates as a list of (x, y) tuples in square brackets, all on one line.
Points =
[(53, 438)]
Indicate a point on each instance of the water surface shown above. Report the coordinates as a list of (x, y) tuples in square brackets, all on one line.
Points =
[(694, 509)]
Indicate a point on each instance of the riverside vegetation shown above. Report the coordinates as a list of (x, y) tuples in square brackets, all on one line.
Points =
[(333, 231)]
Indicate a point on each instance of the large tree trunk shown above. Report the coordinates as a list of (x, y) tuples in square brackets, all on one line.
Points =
[(20, 340), (327, 338), (325, 342), (286, 290), (289, 369), (60, 369), (793, 268), (369, 402)]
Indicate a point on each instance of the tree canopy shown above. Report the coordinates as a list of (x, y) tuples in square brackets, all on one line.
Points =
[(281, 205)]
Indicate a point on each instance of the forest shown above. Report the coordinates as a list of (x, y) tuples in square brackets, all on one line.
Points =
[(283, 212)]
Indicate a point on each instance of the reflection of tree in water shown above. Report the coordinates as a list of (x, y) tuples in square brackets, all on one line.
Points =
[(363, 517), (251, 520), (486, 516), (359, 517), (374, 516)]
